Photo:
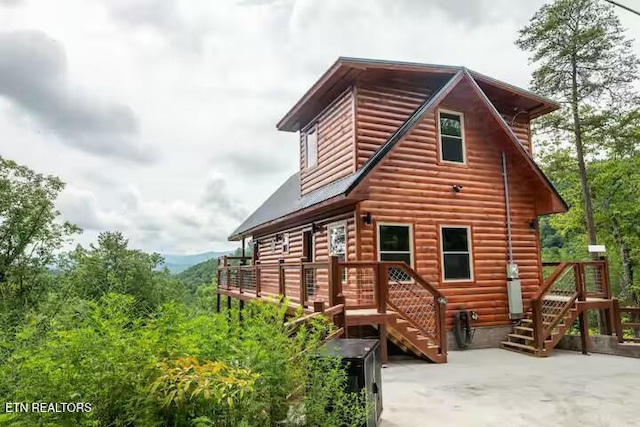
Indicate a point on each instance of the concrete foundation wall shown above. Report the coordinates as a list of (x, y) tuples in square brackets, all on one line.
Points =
[(602, 344), (487, 337)]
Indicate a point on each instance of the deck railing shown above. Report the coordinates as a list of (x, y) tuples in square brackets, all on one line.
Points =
[(568, 283), (355, 285), (626, 319)]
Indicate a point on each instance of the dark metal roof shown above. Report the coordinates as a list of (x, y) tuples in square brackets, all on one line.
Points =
[(287, 200), (344, 65)]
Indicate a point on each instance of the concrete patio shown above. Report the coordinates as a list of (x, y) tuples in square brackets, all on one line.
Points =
[(495, 387)]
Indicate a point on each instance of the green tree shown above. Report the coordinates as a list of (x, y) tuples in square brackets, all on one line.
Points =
[(585, 61), (30, 230), (111, 267), (200, 274)]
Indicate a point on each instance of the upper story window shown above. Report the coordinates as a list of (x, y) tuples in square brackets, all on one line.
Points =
[(311, 147), (456, 254), (451, 125)]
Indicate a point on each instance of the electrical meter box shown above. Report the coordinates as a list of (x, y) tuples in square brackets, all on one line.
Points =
[(512, 271), (514, 293)]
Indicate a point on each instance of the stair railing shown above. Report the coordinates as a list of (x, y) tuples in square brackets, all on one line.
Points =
[(417, 301), (556, 297)]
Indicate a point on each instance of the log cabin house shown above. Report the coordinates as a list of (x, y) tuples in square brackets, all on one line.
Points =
[(417, 198)]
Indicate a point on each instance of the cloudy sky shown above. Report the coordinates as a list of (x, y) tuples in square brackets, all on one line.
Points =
[(160, 114)]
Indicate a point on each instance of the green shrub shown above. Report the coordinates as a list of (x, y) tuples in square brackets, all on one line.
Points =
[(180, 366)]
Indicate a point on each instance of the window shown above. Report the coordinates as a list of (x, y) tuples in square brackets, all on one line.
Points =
[(452, 137), (311, 147), (285, 243), (394, 243), (338, 244), (456, 253)]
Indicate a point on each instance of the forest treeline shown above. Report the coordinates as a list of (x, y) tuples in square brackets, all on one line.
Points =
[(105, 327)]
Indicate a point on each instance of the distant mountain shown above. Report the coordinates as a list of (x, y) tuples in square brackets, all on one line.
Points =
[(179, 263)]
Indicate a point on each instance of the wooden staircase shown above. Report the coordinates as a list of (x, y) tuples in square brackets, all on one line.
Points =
[(571, 290), (522, 338), (410, 340)]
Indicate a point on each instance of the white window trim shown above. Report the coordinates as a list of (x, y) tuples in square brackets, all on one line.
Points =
[(285, 243), (311, 129), (400, 224), (470, 243), (339, 224), (462, 138)]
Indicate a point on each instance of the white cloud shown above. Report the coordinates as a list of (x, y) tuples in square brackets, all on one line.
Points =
[(208, 80)]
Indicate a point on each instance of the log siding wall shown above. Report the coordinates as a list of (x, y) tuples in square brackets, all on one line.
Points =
[(411, 186), (335, 145)]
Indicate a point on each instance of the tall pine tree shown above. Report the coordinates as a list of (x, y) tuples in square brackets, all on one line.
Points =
[(585, 61)]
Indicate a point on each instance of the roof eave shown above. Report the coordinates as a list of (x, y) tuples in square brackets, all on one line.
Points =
[(547, 105), (516, 141), (332, 203)]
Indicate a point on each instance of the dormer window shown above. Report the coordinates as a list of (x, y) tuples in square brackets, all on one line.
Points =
[(311, 147), (451, 126)]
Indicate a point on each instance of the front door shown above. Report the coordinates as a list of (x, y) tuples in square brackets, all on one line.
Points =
[(308, 255)]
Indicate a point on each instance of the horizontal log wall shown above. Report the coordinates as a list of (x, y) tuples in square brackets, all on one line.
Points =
[(381, 108), (335, 145), (411, 186)]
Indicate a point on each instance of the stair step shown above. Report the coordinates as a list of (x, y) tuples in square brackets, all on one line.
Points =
[(520, 346), (400, 321), (523, 328), (521, 337), (526, 321)]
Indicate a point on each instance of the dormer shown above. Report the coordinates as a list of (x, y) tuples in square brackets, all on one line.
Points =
[(358, 104)]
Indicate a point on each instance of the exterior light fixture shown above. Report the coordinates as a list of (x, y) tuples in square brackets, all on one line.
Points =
[(366, 218)]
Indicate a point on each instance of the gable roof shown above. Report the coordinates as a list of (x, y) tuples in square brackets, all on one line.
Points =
[(287, 199), (345, 70)]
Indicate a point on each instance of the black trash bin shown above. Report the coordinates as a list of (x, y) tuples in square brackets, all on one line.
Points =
[(362, 358)]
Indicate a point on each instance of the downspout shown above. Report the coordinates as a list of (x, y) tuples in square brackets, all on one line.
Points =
[(508, 206)]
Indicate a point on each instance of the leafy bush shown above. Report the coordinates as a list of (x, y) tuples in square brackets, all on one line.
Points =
[(180, 366)]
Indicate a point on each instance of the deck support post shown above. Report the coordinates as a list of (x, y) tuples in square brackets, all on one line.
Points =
[(617, 322), (228, 308), (217, 303), (241, 305), (582, 316), (584, 331), (538, 327), (257, 273), (281, 286), (335, 280), (303, 285), (382, 332)]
